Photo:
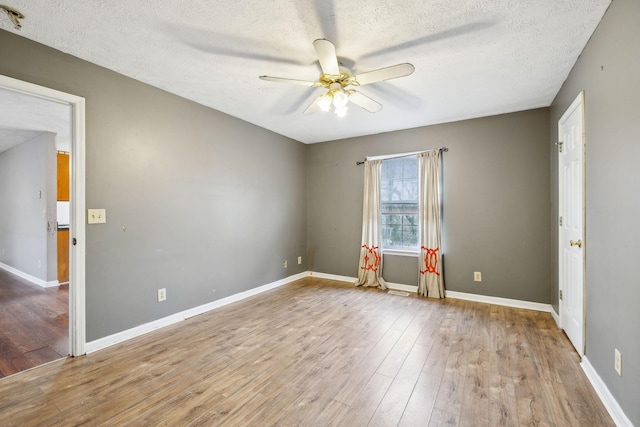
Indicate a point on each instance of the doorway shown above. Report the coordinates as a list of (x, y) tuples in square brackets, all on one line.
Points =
[(571, 223), (77, 215)]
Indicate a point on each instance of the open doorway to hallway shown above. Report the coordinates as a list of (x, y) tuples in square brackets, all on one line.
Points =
[(41, 227), (35, 141)]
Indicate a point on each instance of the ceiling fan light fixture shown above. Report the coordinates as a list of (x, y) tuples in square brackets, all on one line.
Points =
[(340, 99), (341, 111), (336, 79), (325, 102)]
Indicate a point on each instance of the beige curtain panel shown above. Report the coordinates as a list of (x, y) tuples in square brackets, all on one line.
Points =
[(431, 283), (370, 265)]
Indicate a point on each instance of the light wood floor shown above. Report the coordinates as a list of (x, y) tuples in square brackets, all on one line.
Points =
[(316, 353), (34, 324)]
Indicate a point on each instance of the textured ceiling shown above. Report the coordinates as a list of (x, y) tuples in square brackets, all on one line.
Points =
[(472, 58), (23, 117)]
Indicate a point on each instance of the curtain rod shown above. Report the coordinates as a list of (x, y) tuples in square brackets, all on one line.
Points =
[(393, 156)]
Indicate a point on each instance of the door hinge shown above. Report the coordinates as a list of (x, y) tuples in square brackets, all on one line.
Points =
[(560, 221), (560, 294), (560, 147)]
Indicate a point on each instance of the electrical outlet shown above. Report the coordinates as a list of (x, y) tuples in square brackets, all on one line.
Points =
[(618, 362), (477, 276), (162, 294), (299, 260), (284, 264)]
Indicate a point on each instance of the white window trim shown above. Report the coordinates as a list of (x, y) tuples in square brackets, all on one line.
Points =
[(402, 252), (393, 156)]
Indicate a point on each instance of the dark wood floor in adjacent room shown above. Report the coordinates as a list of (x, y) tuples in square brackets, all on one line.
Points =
[(316, 353), (34, 324)]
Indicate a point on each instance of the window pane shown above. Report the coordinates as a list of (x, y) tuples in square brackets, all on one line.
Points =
[(392, 235), (410, 235), (394, 219), (399, 202)]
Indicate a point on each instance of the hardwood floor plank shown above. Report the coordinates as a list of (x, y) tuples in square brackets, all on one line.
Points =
[(317, 353), (475, 398), (503, 407), (358, 379), (43, 355), (450, 395), (12, 359), (440, 418), (34, 320), (395, 401), (364, 403), (420, 406), (531, 407)]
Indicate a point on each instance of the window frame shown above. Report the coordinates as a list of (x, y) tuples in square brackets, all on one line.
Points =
[(401, 250)]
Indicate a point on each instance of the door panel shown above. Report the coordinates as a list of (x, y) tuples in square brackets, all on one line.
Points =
[(571, 228)]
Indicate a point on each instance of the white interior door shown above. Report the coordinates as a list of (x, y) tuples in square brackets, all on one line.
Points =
[(571, 222)]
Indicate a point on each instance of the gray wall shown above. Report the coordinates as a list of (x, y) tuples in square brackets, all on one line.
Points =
[(212, 205), (608, 71), (27, 203), (496, 203)]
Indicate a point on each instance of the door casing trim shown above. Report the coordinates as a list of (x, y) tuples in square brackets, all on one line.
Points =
[(77, 291)]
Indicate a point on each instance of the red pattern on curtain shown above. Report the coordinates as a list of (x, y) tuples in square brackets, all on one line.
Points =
[(375, 257), (430, 261)]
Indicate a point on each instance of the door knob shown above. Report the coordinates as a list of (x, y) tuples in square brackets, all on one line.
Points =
[(577, 243)]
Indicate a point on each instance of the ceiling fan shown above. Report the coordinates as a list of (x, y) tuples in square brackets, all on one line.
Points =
[(338, 80)]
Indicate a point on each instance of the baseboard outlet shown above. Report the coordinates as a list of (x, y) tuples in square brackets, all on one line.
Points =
[(119, 337), (29, 277), (507, 302), (609, 402)]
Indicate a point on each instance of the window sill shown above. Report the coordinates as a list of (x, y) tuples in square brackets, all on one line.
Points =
[(399, 252)]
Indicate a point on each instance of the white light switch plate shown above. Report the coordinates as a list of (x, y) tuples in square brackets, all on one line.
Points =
[(96, 216)]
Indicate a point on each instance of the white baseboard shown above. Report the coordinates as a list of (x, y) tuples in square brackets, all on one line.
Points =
[(333, 277), (450, 294), (556, 317), (605, 395), (394, 286), (119, 337), (507, 302), (29, 277)]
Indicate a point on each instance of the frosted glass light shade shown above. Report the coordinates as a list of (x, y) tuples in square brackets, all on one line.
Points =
[(340, 99)]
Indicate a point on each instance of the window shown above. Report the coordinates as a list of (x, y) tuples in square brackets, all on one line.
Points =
[(399, 203)]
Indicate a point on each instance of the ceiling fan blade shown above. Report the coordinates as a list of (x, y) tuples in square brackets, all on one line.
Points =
[(381, 74), (290, 81), (327, 56), (364, 101)]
